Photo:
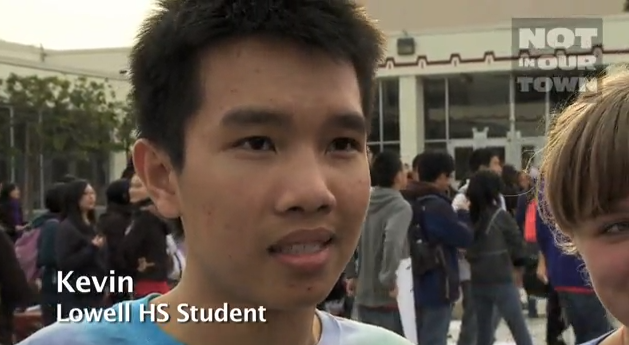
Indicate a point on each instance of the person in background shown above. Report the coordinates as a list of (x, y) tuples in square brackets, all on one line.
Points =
[(129, 170), (113, 224), (526, 182), (510, 187), (78, 248), (11, 215), (481, 159), (383, 244), (15, 292), (145, 246), (437, 289), (498, 247), (48, 223)]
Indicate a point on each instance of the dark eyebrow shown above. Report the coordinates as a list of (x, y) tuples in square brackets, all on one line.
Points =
[(250, 117), (348, 121)]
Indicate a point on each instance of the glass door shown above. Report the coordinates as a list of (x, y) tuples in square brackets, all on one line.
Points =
[(530, 151)]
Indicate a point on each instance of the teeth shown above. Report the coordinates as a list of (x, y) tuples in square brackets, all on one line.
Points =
[(301, 249)]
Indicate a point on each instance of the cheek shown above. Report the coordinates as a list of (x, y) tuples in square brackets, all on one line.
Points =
[(352, 202), (608, 272), (214, 216)]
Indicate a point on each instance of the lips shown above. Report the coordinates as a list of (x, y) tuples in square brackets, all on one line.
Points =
[(303, 242)]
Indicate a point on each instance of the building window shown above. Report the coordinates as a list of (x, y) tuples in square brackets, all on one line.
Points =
[(560, 99), (390, 109), (436, 146), (478, 101), (530, 109), (385, 119), (435, 109)]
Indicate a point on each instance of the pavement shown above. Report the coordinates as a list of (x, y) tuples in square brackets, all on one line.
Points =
[(537, 327)]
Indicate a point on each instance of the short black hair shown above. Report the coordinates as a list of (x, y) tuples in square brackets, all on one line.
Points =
[(432, 164), (415, 163), (385, 167), (165, 77), (481, 157), (54, 198), (129, 170)]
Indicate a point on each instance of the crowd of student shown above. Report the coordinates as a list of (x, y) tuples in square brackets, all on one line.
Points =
[(129, 238), (485, 242)]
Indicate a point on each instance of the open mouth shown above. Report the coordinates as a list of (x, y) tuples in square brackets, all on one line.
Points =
[(300, 248)]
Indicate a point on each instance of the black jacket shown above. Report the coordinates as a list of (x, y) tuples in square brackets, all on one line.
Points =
[(14, 289), (113, 224), (74, 251), (147, 239), (497, 247)]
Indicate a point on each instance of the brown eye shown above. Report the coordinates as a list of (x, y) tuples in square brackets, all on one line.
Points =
[(344, 144), (256, 144)]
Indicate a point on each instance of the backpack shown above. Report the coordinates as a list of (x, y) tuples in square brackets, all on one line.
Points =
[(425, 255), (26, 252), (530, 233)]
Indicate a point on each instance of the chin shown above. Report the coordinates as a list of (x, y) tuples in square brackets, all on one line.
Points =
[(296, 300)]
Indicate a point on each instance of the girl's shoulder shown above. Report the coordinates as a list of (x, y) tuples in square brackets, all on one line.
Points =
[(606, 339)]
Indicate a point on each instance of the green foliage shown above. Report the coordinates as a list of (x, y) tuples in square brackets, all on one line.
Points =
[(63, 117)]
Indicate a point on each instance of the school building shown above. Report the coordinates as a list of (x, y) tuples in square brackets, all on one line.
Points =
[(448, 80)]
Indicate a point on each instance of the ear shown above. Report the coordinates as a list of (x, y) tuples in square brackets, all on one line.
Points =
[(154, 168)]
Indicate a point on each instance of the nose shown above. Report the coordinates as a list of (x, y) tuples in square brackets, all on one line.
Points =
[(305, 190)]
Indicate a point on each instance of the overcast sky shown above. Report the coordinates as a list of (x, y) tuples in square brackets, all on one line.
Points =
[(72, 24)]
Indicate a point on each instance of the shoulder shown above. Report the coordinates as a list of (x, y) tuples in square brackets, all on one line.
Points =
[(122, 326), (64, 334), (500, 216), (51, 223), (402, 205), (66, 224), (599, 340), (349, 332)]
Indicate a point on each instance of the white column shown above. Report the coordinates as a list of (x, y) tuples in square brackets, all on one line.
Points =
[(411, 117), (117, 164)]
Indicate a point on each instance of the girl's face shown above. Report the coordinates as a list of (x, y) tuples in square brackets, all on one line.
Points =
[(524, 180), (15, 193), (603, 243), (137, 191), (88, 201)]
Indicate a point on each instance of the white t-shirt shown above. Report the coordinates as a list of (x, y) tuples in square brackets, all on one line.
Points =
[(334, 331)]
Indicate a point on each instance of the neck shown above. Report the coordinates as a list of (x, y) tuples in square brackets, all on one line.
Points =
[(282, 327), (85, 218)]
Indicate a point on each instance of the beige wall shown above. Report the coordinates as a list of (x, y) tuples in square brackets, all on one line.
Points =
[(457, 52), (412, 15), (18, 51), (104, 60)]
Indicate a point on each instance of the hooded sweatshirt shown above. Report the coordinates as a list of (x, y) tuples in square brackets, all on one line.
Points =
[(383, 244)]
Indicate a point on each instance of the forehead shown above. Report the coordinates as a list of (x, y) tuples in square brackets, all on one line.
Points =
[(278, 76)]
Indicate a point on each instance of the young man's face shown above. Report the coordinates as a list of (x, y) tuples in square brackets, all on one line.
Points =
[(495, 165), (278, 149)]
